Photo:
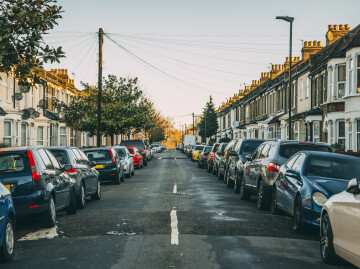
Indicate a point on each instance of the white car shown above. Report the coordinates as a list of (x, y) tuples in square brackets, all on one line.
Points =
[(157, 147), (126, 160), (340, 226)]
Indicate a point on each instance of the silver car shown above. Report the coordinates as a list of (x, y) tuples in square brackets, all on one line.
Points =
[(126, 160)]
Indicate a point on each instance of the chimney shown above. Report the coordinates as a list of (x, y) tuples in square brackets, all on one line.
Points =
[(264, 77), (310, 47), (335, 32), (294, 60), (254, 84), (247, 90), (275, 70)]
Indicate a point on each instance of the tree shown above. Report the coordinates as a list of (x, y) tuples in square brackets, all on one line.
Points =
[(22, 27), (208, 124)]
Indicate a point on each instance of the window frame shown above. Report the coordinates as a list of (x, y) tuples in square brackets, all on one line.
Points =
[(8, 137), (340, 82)]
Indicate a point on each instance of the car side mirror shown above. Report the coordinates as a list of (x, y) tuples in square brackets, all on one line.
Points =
[(248, 157), (353, 186), (67, 167), (233, 153)]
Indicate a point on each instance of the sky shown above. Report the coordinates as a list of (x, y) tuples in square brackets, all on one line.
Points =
[(184, 51)]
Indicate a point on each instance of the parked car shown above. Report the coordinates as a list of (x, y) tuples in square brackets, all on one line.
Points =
[(149, 152), (7, 223), (224, 160), (157, 148), (86, 178), (318, 175), (210, 160), (217, 157), (237, 159), (340, 224), (41, 183), (189, 150), (262, 167), (107, 163), (196, 152), (126, 160), (137, 157), (203, 157), (139, 144)]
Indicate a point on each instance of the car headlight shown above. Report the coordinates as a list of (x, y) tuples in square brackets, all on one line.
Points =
[(319, 198)]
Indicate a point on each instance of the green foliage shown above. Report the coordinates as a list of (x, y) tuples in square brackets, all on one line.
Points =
[(338, 147), (224, 140), (22, 27), (208, 125), (4, 144)]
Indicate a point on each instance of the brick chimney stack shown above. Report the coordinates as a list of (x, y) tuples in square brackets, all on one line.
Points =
[(294, 60), (275, 70), (264, 77), (254, 84), (310, 47), (247, 90), (335, 32)]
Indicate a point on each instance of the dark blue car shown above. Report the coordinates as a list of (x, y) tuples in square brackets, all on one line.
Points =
[(7, 223), (307, 180)]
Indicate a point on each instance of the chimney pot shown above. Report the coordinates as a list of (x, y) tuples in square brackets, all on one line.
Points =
[(347, 27), (335, 26), (341, 27), (330, 27), (319, 43)]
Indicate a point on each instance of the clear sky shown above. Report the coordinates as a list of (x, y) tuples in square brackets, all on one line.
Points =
[(183, 51)]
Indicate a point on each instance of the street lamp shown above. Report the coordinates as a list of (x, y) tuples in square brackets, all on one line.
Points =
[(290, 20)]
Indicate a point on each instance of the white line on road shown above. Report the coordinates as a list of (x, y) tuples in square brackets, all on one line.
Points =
[(174, 228), (49, 233), (175, 189)]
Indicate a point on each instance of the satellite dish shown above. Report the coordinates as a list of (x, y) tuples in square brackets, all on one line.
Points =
[(18, 96), (24, 88), (36, 114), (32, 110), (235, 124), (26, 114), (42, 103)]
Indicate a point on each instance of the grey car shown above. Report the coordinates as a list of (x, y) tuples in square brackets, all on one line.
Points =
[(126, 160), (217, 158), (224, 161), (262, 167)]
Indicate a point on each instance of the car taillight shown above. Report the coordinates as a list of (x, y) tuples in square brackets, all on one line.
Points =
[(34, 172), (112, 156), (306, 143), (204, 155), (144, 150), (72, 171), (274, 167), (212, 154)]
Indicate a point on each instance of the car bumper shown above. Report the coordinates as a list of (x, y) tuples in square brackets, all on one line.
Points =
[(210, 162), (311, 216), (37, 202), (107, 174), (195, 157)]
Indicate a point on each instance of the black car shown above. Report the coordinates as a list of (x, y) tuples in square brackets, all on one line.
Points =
[(204, 156), (139, 144), (237, 158), (217, 157), (85, 176), (223, 163), (39, 182), (107, 163)]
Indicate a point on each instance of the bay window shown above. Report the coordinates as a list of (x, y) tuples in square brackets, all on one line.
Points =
[(341, 133), (340, 81), (40, 136), (7, 133), (316, 132)]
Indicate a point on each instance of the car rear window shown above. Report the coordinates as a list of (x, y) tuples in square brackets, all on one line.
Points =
[(131, 151), (250, 146), (207, 149), (13, 163), (199, 148), (133, 143), (333, 168), (61, 156), (288, 150), (98, 155), (121, 152)]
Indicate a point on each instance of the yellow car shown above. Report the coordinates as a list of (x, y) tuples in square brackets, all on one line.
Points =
[(196, 152)]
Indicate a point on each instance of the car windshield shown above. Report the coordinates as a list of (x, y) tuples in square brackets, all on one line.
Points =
[(12, 163), (98, 155), (199, 148), (250, 146), (333, 168), (121, 152), (61, 156), (288, 150), (207, 149)]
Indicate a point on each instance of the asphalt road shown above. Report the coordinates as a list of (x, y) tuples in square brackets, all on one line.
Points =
[(135, 225)]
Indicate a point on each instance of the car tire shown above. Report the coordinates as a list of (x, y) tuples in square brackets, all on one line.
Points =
[(261, 196), (214, 170), (117, 179), (208, 169), (327, 251), (128, 175), (122, 178), (71, 209), (7, 249), (244, 193), (133, 171), (81, 199), (274, 208), (144, 163), (236, 182), (219, 176), (298, 223), (97, 195), (199, 165), (50, 215)]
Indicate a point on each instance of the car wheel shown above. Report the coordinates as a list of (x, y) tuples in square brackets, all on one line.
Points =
[(81, 199), (274, 207), (71, 209), (199, 165), (128, 175), (50, 215), (244, 193), (236, 183), (122, 178), (214, 170), (208, 169), (7, 249), (261, 196), (133, 171), (327, 250), (298, 223), (219, 175), (97, 195), (117, 179)]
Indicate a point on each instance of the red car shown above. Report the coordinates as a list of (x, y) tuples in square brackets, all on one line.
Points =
[(210, 160), (137, 157)]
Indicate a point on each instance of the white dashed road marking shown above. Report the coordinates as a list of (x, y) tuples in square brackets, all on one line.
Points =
[(175, 189), (174, 228)]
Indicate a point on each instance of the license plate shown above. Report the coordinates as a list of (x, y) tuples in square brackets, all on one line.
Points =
[(99, 166)]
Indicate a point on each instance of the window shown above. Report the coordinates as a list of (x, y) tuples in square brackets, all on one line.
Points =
[(294, 95), (301, 89), (316, 131), (331, 84), (264, 152), (351, 72), (278, 132), (7, 133), (45, 159), (291, 161), (17, 139), (307, 88), (331, 133), (53, 160), (296, 130), (358, 134), (324, 89), (358, 74), (23, 134), (317, 92), (287, 131), (299, 163), (72, 138), (270, 133), (350, 135), (40, 135), (341, 133), (341, 77), (53, 134)]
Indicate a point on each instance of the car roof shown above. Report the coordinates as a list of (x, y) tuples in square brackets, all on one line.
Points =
[(333, 155), (20, 148), (98, 148)]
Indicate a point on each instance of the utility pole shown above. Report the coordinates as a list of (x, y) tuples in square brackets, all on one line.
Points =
[(185, 128), (205, 128), (98, 138), (193, 123)]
